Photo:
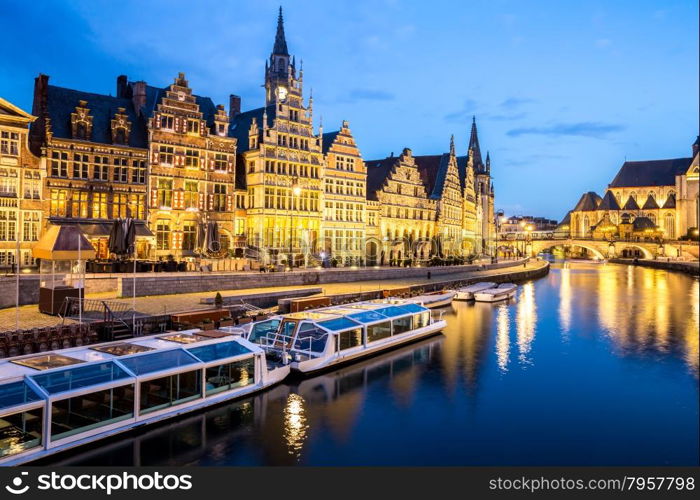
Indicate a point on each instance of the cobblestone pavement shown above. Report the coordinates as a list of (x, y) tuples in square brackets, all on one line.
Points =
[(30, 317)]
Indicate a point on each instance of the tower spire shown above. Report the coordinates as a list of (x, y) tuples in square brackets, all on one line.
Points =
[(280, 48), (474, 150), (488, 162), (452, 145)]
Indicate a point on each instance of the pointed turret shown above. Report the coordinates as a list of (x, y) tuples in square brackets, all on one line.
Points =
[(452, 145), (488, 163), (280, 48), (474, 150)]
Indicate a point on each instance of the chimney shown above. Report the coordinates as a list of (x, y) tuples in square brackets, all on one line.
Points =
[(122, 87), (37, 130), (234, 105), (138, 98)]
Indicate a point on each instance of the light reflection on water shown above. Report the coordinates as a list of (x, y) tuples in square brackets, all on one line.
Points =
[(593, 364)]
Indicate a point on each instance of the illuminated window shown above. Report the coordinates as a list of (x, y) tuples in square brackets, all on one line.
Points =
[(191, 194), (219, 200), (163, 235), (8, 182), (79, 204), (137, 206), (32, 185), (165, 193), (99, 205), (57, 205), (189, 236), (120, 204), (8, 225)]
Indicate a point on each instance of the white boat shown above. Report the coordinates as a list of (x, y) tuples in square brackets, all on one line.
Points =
[(434, 300), (587, 261), (318, 339), (53, 401), (501, 292), (467, 292)]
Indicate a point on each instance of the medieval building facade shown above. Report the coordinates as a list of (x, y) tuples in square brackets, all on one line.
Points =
[(647, 200), (274, 187), (20, 188)]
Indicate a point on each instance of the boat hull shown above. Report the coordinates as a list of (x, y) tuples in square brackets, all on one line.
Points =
[(323, 363), (494, 297)]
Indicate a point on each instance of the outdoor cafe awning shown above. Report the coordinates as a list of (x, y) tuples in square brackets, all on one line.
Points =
[(102, 230), (65, 242)]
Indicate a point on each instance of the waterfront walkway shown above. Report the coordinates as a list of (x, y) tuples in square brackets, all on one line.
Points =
[(30, 317)]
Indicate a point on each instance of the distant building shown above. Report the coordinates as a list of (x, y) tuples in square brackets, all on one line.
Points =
[(656, 199), (20, 188), (519, 223)]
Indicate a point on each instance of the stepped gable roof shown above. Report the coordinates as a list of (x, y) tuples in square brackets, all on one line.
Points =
[(327, 140), (630, 204), (588, 202), (670, 201), (240, 124), (154, 95), (650, 173), (433, 172), (642, 223), (609, 202), (650, 204), (377, 172), (61, 102)]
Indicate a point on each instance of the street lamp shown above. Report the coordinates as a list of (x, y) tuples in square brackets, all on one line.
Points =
[(296, 191)]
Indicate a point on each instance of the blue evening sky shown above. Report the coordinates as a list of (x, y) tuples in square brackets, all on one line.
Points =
[(563, 92)]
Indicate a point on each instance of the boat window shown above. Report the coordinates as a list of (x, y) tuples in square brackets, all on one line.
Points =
[(229, 376), (149, 363), (222, 350), (173, 390), (378, 331), (422, 319), (83, 376), (338, 324), (183, 338), (122, 349), (17, 393), (20, 431), (412, 308), (286, 332), (47, 361), (88, 411), (368, 316), (402, 325), (263, 329), (311, 338), (390, 312), (349, 339)]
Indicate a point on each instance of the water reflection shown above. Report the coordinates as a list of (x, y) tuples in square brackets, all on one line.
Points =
[(526, 320), (503, 337), (494, 389)]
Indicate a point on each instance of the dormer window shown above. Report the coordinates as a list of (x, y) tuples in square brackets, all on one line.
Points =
[(81, 122), (120, 127), (120, 136)]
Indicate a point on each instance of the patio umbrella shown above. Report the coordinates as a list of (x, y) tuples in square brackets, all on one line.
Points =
[(129, 235), (202, 237), (116, 238), (213, 240)]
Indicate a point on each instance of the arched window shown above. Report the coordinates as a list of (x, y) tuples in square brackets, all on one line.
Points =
[(81, 131), (633, 195), (670, 225), (586, 226)]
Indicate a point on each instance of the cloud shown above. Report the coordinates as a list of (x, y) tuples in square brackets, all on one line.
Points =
[(581, 129), (356, 95), (468, 109), (601, 43), (515, 102)]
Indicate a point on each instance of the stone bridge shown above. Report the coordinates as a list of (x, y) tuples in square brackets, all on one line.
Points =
[(605, 249)]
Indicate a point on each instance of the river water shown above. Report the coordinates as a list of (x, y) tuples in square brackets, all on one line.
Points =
[(590, 365)]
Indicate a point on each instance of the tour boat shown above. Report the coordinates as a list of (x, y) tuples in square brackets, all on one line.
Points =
[(53, 401), (318, 339), (467, 292), (434, 300), (501, 292)]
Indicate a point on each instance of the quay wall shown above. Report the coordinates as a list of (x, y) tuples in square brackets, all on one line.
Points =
[(684, 267), (177, 283)]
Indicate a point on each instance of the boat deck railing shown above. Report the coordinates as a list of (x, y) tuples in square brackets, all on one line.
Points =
[(284, 343)]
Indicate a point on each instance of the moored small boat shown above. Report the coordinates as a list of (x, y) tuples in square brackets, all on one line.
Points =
[(53, 401), (501, 292), (467, 292), (317, 339), (434, 300)]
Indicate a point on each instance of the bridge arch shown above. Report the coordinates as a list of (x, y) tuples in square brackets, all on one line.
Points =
[(538, 247)]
